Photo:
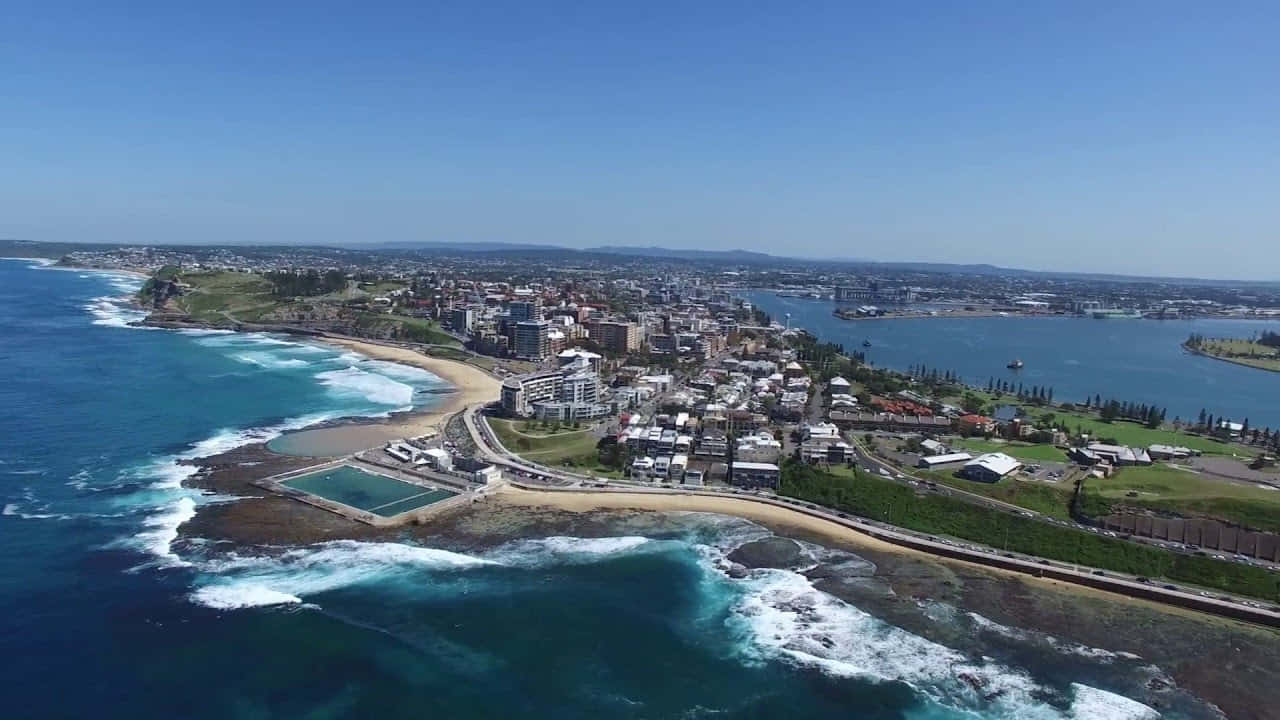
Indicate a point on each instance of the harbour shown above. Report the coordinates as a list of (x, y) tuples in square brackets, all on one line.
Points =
[(1139, 360)]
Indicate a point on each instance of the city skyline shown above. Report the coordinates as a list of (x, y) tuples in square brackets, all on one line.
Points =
[(1043, 139)]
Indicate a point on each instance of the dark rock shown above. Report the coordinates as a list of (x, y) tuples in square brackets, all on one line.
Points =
[(771, 552)]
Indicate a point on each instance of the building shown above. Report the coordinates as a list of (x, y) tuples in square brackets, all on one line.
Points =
[(521, 310), (755, 475), (462, 320), (990, 467), (1120, 455), (532, 340), (570, 392), (872, 292), (929, 447), (932, 461), (759, 447), (568, 356), (975, 424), (617, 338), (438, 459)]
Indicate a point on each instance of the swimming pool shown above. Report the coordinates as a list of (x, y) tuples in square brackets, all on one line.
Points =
[(370, 492)]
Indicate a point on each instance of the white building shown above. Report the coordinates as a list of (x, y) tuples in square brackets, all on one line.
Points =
[(760, 447), (570, 392), (990, 467)]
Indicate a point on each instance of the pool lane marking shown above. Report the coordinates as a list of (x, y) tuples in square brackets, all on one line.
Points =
[(405, 499)]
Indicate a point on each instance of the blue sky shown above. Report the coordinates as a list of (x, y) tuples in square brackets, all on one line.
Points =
[(1076, 136)]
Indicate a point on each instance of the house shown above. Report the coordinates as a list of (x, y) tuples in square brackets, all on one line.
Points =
[(755, 475), (760, 447), (838, 386), (990, 467), (975, 424), (929, 447)]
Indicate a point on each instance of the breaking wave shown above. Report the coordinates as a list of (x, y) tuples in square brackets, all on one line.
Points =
[(376, 388), (252, 581)]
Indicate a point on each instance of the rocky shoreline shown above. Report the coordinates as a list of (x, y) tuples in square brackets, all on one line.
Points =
[(1234, 666)]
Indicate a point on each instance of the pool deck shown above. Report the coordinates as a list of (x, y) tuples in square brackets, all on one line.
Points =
[(427, 479)]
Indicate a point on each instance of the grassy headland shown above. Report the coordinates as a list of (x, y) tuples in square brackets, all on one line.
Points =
[(332, 304)]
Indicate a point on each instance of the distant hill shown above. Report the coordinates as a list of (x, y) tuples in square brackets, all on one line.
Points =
[(741, 256)]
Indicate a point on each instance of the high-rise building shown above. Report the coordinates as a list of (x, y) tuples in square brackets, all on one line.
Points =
[(462, 319), (532, 340), (618, 338), (524, 310)]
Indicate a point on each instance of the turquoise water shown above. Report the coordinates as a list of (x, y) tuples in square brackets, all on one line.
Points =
[(385, 496), (108, 614), (1130, 360)]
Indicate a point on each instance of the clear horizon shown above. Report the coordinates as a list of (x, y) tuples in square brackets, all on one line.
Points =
[(1135, 140)]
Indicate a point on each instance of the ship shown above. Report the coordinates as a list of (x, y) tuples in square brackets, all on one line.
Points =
[(1015, 365), (866, 343)]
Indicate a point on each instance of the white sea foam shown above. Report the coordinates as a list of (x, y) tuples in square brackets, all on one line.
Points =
[(352, 381), (245, 581), (1090, 703), (239, 596), (15, 510), (402, 372), (561, 549), (268, 360), (114, 312), (785, 617), (199, 332), (162, 529)]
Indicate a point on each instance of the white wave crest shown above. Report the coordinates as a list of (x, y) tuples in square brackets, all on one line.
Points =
[(563, 550), (1090, 703), (403, 372), (14, 510), (240, 581), (114, 312), (375, 388), (786, 618), (268, 361), (236, 597), (162, 529)]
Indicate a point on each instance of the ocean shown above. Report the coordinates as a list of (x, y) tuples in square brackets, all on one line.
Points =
[(107, 616), (1130, 360)]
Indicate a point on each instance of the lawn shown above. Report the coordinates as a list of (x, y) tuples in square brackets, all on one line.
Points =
[(404, 327), (214, 296), (543, 447), (1023, 451), (1243, 352), (1161, 487), (1131, 433)]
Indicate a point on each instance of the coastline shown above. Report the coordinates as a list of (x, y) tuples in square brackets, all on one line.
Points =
[(1233, 361), (472, 386)]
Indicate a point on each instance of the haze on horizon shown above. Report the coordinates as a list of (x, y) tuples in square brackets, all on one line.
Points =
[(1074, 137)]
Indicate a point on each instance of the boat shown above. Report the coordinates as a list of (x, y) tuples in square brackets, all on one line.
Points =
[(1015, 365), (866, 343)]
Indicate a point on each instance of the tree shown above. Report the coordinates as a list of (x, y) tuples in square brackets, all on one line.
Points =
[(1110, 411)]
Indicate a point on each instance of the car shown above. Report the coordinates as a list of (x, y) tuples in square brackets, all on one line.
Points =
[(1170, 587), (1142, 579), (1098, 572)]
